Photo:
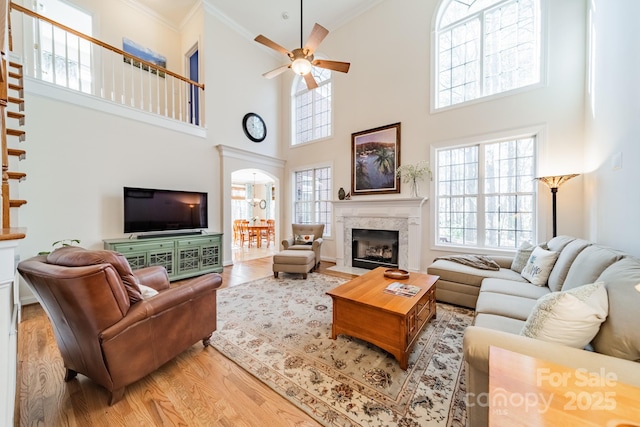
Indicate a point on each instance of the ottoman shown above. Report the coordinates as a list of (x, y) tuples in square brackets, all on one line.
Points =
[(293, 261)]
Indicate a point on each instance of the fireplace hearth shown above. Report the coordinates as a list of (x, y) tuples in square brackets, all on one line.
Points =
[(374, 248)]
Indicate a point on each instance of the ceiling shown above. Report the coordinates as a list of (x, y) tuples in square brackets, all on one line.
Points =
[(253, 17)]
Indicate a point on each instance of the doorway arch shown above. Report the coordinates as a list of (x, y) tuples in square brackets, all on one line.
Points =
[(234, 160)]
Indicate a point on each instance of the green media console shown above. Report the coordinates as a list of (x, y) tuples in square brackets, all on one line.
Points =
[(182, 256)]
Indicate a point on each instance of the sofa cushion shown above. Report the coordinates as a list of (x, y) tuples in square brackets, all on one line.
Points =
[(75, 256), (570, 317), (522, 256), (509, 287), (563, 264), (558, 243), (619, 335), (499, 323), (512, 306), (589, 264), (539, 266), (459, 273)]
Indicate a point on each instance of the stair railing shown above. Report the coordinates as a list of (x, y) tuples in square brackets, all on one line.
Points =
[(83, 63)]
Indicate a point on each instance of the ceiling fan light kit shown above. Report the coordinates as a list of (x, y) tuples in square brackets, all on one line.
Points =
[(301, 64), (302, 59)]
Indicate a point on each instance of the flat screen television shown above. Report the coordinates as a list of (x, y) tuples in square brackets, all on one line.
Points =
[(148, 209)]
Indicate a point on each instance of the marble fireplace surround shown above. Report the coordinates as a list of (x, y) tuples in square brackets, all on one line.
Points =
[(403, 215)]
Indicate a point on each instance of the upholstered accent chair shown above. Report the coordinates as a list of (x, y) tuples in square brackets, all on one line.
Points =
[(115, 325), (306, 237)]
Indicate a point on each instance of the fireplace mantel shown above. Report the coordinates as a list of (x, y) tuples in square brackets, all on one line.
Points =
[(402, 214)]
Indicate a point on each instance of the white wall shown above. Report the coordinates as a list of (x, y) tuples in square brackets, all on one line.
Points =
[(78, 160), (389, 81), (613, 129), (117, 19)]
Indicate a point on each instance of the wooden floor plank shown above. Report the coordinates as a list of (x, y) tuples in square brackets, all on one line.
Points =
[(200, 387)]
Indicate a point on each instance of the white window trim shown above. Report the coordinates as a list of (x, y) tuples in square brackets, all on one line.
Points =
[(293, 190), (542, 207), (544, 64), (292, 102)]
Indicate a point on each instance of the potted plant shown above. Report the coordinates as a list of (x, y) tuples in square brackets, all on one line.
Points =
[(61, 243), (413, 173)]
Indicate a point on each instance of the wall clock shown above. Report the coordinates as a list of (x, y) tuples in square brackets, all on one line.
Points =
[(254, 127)]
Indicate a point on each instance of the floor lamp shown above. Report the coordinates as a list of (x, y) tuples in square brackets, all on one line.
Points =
[(554, 182)]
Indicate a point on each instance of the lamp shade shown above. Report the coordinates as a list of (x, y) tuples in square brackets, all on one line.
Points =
[(557, 180), (301, 66)]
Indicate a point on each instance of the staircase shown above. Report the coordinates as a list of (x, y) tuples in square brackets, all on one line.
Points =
[(12, 106)]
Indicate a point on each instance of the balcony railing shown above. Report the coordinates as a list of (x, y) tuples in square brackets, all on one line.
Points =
[(60, 55)]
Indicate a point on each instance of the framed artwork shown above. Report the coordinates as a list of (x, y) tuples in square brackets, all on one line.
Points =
[(375, 156), (142, 52)]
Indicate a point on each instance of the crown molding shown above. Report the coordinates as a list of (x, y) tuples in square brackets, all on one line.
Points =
[(213, 10), (196, 7)]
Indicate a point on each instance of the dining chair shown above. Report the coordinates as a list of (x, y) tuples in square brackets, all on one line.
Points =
[(271, 232), (236, 231), (244, 232)]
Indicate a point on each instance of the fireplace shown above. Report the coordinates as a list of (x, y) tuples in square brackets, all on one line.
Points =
[(374, 248), (398, 214)]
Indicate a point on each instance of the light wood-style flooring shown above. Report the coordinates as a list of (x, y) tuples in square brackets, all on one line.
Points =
[(200, 387)]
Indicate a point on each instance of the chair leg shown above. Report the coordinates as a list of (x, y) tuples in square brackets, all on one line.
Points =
[(116, 395), (206, 340), (69, 374)]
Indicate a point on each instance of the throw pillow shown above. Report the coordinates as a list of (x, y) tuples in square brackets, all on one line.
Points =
[(539, 265), (147, 291), (572, 317), (522, 256), (304, 239)]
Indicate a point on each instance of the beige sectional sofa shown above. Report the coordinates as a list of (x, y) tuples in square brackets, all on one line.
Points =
[(503, 301)]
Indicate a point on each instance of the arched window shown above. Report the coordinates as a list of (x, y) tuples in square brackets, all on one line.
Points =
[(311, 108), (485, 47)]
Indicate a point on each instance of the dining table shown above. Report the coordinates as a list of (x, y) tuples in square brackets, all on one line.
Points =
[(255, 231)]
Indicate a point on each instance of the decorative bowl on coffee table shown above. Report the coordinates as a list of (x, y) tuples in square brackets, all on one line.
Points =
[(396, 273)]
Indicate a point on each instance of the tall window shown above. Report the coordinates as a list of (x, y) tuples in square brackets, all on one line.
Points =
[(485, 47), (486, 194), (312, 108), (239, 205), (64, 59), (312, 200)]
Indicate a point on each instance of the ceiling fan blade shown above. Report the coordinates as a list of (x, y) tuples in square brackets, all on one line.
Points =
[(311, 82), (343, 67), (273, 45), (315, 38), (277, 71)]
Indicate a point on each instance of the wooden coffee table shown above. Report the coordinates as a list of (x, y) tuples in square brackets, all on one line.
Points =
[(363, 310)]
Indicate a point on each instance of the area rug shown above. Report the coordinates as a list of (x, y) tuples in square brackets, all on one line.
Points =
[(279, 330)]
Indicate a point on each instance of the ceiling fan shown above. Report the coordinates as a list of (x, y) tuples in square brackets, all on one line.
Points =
[(302, 58)]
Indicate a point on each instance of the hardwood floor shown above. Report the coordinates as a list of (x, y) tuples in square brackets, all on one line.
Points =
[(200, 387)]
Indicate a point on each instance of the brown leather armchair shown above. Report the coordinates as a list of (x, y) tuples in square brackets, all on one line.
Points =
[(295, 242), (104, 327)]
